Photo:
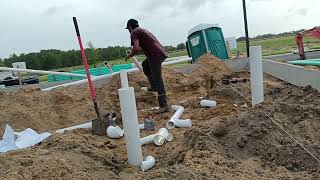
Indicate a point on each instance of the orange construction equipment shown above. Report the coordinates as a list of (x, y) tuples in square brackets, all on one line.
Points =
[(314, 32)]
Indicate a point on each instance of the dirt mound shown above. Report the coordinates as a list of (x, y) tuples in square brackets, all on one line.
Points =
[(237, 143), (46, 111), (211, 67)]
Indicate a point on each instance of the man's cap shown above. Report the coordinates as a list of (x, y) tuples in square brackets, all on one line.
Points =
[(132, 23)]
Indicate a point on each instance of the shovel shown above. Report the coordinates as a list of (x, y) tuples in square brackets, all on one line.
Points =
[(99, 124)]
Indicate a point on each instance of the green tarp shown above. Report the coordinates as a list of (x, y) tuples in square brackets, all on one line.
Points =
[(309, 62), (93, 72)]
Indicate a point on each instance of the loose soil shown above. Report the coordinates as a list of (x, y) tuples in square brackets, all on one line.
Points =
[(231, 141)]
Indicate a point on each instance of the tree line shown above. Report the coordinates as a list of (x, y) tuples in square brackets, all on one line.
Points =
[(270, 35), (54, 59)]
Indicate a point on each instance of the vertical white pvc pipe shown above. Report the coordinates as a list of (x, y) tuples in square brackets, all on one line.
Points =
[(124, 79), (256, 75), (130, 125)]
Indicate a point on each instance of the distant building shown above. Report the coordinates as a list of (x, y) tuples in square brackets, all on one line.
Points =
[(232, 42)]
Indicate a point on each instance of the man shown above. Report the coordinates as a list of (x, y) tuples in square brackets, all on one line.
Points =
[(144, 41)]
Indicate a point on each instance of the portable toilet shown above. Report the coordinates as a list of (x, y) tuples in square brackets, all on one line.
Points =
[(206, 38)]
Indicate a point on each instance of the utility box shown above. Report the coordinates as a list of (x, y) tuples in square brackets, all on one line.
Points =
[(206, 38)]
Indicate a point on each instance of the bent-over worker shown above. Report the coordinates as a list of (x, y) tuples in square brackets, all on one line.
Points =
[(144, 41)]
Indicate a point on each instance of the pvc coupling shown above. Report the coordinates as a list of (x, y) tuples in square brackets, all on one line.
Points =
[(159, 138), (208, 103)]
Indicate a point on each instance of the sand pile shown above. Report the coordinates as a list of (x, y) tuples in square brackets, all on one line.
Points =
[(211, 67), (230, 141)]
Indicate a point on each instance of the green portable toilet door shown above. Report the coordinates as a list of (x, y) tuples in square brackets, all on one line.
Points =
[(216, 43), (196, 45)]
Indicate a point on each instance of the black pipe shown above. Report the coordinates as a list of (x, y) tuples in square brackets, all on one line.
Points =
[(246, 26)]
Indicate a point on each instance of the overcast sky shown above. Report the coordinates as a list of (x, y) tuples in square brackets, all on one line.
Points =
[(30, 25)]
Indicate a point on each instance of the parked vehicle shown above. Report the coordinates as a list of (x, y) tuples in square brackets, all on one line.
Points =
[(12, 81), (30, 80)]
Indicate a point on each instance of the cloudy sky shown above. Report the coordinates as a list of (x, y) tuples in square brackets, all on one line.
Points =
[(30, 25)]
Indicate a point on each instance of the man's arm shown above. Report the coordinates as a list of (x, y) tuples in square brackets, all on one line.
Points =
[(135, 49)]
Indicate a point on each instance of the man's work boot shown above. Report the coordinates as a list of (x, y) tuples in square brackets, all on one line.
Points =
[(161, 110)]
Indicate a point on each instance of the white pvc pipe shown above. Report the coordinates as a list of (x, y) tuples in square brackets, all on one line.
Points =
[(175, 58), (130, 124), (208, 103), (147, 140), (80, 82), (148, 163), (114, 132), (160, 136), (182, 60), (256, 75), (178, 112), (171, 124), (187, 123), (96, 78), (137, 63), (81, 126), (42, 72), (110, 69), (124, 79)]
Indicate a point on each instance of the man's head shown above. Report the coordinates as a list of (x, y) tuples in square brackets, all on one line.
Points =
[(132, 24)]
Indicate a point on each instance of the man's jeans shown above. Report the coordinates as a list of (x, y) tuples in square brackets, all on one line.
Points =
[(152, 69)]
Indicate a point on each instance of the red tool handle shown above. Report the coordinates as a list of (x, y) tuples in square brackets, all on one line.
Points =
[(83, 54), (84, 58)]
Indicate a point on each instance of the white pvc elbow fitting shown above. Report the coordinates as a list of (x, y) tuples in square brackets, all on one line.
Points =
[(175, 120), (114, 132), (148, 163), (179, 123), (208, 103), (147, 139)]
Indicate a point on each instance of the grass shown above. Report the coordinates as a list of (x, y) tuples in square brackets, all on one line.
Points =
[(279, 45), (43, 78), (179, 65)]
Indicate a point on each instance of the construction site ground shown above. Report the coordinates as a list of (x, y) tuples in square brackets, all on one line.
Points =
[(231, 141)]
